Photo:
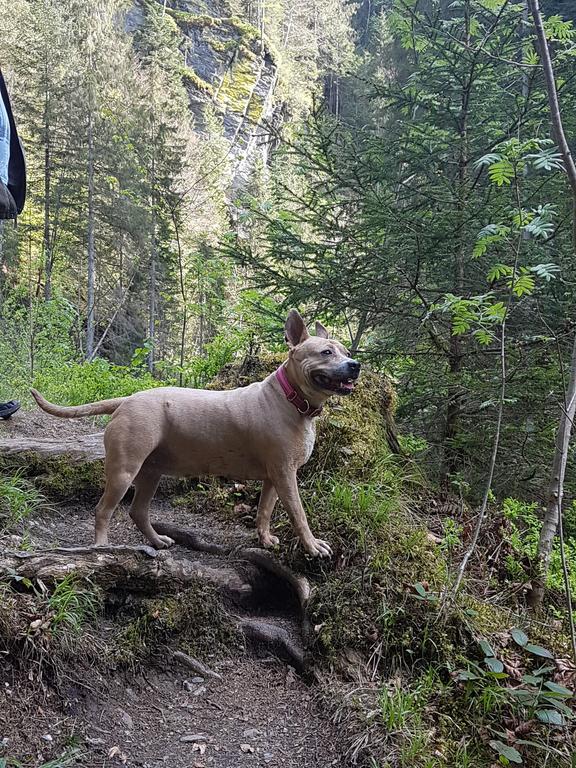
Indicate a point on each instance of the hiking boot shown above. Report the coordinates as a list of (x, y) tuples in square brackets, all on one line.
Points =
[(7, 409)]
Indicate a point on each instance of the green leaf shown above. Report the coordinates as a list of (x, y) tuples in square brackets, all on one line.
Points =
[(465, 674), (546, 271), (489, 159), (504, 750), (483, 336), (498, 271), (519, 636), (545, 669), (524, 284), (501, 173), (486, 648), (494, 665), (550, 717), (538, 650), (522, 693), (420, 589), (559, 689), (532, 680), (557, 702)]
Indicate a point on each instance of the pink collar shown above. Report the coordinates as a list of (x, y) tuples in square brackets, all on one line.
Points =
[(300, 403)]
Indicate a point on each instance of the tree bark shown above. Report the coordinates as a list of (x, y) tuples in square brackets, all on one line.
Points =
[(91, 264), (556, 487), (140, 569), (47, 186), (555, 492), (451, 458)]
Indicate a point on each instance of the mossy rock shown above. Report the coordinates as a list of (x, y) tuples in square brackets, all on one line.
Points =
[(353, 432), (191, 79)]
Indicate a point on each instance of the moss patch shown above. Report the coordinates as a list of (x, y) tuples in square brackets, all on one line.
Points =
[(59, 477), (191, 79), (237, 84), (195, 617)]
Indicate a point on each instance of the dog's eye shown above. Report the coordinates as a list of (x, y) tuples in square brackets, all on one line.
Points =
[(326, 351)]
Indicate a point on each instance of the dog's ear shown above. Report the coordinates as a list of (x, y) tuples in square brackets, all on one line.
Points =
[(295, 329), (321, 331)]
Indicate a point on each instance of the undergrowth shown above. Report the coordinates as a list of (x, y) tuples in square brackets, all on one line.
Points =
[(435, 684), (19, 500), (522, 532), (195, 616)]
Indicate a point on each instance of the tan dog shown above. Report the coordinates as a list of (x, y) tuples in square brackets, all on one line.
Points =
[(262, 432)]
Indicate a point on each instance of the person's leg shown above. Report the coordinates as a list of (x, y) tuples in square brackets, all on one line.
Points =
[(4, 141)]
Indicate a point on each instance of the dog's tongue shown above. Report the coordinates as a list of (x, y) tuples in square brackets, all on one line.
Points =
[(347, 385)]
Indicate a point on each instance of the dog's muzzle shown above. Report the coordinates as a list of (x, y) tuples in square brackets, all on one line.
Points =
[(340, 381)]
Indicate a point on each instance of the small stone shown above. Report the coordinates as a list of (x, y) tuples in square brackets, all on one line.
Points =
[(251, 733), (197, 680), (94, 742), (191, 737), (247, 748), (268, 757), (200, 691), (125, 719), (47, 737)]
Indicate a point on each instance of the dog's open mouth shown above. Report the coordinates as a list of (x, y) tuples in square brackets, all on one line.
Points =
[(337, 386)]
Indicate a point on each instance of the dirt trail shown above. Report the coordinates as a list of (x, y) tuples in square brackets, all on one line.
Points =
[(260, 713)]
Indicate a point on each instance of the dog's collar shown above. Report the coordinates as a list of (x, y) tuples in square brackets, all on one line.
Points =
[(300, 403)]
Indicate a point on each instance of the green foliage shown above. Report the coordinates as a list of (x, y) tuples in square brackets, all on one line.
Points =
[(523, 531), (71, 604), (79, 383), (19, 500)]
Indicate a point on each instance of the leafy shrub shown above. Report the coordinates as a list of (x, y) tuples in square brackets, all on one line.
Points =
[(524, 532), (77, 383)]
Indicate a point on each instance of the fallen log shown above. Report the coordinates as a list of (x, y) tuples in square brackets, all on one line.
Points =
[(79, 448), (138, 569)]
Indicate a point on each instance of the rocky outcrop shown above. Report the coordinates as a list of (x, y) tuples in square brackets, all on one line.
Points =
[(230, 77)]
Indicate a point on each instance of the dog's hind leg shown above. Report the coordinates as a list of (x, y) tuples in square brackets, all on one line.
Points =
[(268, 498), (117, 483), (145, 484)]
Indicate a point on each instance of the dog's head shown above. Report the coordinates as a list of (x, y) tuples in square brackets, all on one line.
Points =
[(319, 364)]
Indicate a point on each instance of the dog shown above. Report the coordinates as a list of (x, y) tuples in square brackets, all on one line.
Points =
[(264, 431)]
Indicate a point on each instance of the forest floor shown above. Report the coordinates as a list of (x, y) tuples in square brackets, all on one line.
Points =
[(261, 712)]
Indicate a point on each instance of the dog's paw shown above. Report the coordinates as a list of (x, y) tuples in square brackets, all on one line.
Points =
[(268, 540), (164, 542), (318, 548)]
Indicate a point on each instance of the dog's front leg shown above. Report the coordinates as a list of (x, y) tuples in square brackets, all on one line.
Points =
[(268, 498), (286, 484)]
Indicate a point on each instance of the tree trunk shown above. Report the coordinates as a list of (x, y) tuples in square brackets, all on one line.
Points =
[(153, 255), (47, 184), (91, 265), (451, 458), (152, 300), (556, 487), (555, 491)]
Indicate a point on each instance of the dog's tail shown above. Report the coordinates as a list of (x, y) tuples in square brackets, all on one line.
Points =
[(77, 411)]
